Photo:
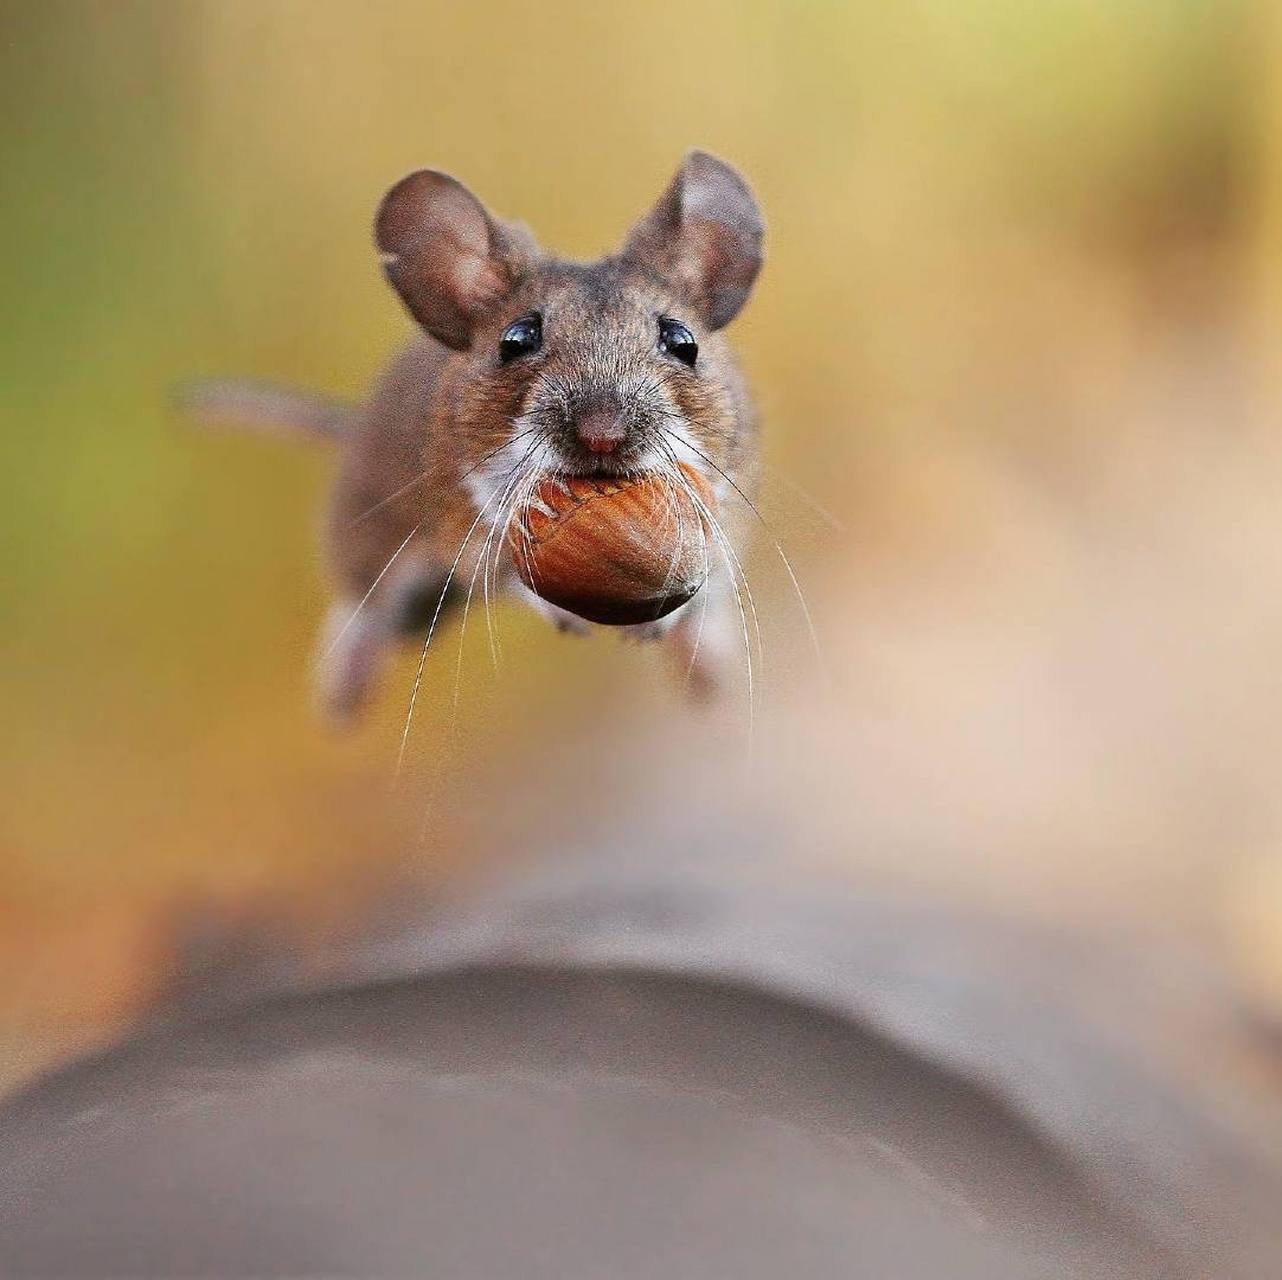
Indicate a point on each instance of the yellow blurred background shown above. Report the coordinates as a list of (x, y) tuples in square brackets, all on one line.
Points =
[(1016, 333)]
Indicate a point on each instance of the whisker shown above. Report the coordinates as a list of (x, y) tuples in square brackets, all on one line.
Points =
[(723, 538), (518, 493), (422, 476), (776, 473), (707, 589), (342, 631), (838, 526), (731, 561), (431, 630), (703, 618), (480, 462), (391, 497), (676, 515), (513, 484), (779, 551), (481, 559)]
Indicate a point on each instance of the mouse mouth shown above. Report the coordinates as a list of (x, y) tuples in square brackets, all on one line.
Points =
[(622, 474), (629, 462)]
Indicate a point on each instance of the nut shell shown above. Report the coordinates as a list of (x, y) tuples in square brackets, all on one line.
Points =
[(614, 550)]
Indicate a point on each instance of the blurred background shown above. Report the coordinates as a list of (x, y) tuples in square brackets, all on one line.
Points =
[(1013, 348)]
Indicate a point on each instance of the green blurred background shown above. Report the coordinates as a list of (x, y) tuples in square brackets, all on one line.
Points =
[(980, 214)]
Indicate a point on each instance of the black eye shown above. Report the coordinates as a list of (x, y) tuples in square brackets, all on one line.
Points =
[(677, 340), (521, 337)]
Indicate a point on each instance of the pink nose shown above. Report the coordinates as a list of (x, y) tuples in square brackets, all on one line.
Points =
[(600, 430)]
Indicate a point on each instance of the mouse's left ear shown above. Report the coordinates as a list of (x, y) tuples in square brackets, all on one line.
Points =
[(450, 261), (704, 237)]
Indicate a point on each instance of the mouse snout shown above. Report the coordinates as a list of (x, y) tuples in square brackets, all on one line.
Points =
[(600, 428)]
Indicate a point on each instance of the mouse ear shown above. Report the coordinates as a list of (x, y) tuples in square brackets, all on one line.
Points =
[(703, 236), (443, 253)]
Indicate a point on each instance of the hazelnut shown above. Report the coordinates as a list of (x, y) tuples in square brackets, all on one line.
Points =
[(614, 550)]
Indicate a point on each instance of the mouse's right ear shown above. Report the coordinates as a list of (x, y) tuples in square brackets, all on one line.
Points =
[(443, 253), (704, 237)]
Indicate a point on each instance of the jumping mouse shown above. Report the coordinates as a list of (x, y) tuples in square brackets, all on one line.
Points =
[(528, 363)]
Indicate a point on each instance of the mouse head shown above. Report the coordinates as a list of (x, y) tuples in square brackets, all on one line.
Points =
[(616, 366)]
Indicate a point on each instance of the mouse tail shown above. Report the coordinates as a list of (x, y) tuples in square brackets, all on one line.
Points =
[(217, 402)]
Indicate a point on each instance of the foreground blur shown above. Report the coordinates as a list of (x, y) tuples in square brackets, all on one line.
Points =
[(1012, 347)]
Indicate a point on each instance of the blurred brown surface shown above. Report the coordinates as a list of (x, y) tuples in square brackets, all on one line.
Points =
[(683, 1035), (1015, 334)]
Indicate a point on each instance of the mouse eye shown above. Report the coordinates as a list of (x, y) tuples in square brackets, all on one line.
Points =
[(677, 340), (521, 337)]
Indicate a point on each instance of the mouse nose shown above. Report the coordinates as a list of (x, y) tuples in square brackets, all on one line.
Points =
[(600, 429)]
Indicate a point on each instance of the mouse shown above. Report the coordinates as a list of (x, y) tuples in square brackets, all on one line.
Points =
[(525, 363)]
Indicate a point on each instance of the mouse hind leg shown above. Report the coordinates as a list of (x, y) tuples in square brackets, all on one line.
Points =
[(360, 632), (349, 658)]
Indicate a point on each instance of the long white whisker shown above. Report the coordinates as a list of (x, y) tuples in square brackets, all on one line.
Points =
[(676, 515), (514, 480), (720, 534), (517, 494), (731, 560), (703, 611), (838, 526), (431, 630), (422, 476), (391, 497), (698, 634), (342, 631), (779, 551), (480, 462), (467, 611), (483, 568)]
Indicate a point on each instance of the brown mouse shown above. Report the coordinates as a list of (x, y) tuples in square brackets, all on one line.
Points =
[(529, 365)]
